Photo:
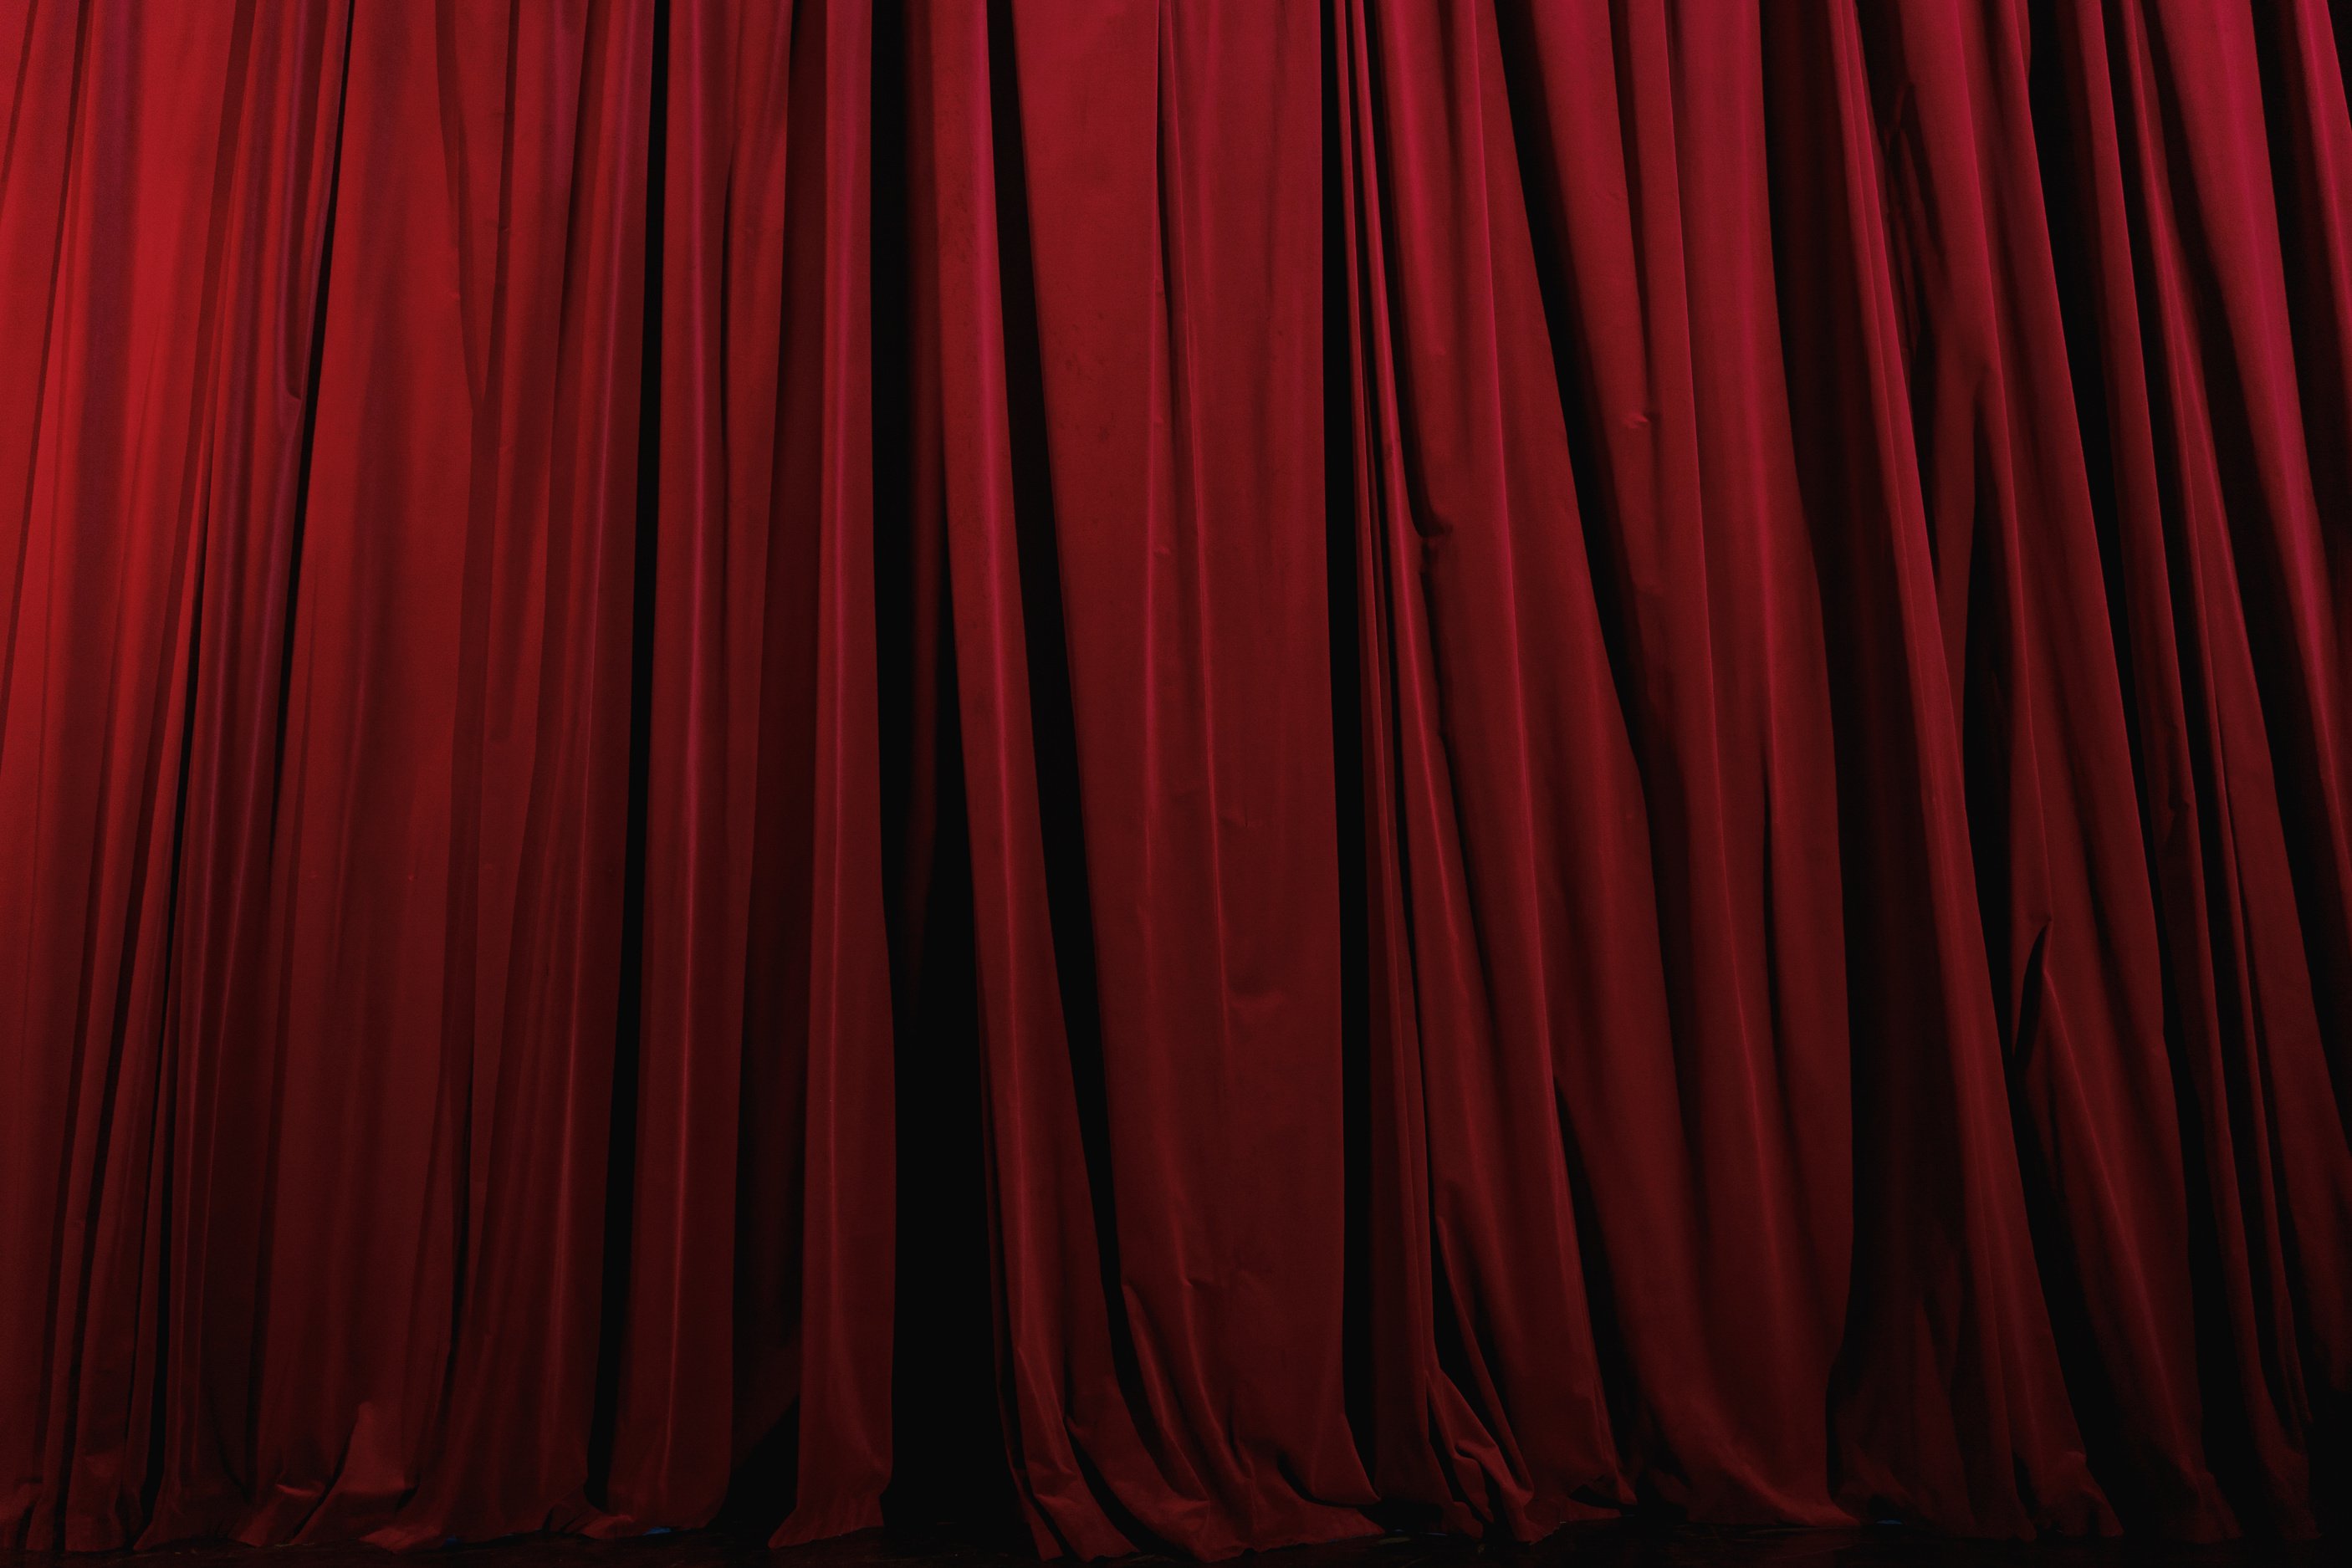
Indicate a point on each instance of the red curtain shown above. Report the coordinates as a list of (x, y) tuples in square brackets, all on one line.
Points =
[(1431, 763)]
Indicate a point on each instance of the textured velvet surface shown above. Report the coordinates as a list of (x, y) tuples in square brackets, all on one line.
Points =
[(1337, 762)]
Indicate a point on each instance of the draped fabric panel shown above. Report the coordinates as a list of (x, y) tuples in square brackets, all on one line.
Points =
[(1262, 769)]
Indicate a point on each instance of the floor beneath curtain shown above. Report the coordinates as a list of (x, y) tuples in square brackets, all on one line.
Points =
[(1611, 1545)]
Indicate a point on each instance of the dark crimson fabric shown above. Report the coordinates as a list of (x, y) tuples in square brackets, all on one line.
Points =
[(1284, 766)]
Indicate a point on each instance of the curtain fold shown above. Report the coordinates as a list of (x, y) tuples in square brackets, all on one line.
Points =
[(1232, 771), (754, 1294)]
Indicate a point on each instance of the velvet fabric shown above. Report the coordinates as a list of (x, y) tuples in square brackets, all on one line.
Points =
[(1288, 765)]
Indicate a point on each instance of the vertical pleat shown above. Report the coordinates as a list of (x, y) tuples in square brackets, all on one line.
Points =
[(1642, 131), (1948, 1400), (161, 249), (2067, 910), (447, 892), (2262, 1127), (1506, 920), (1138, 620), (766, 1002)]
